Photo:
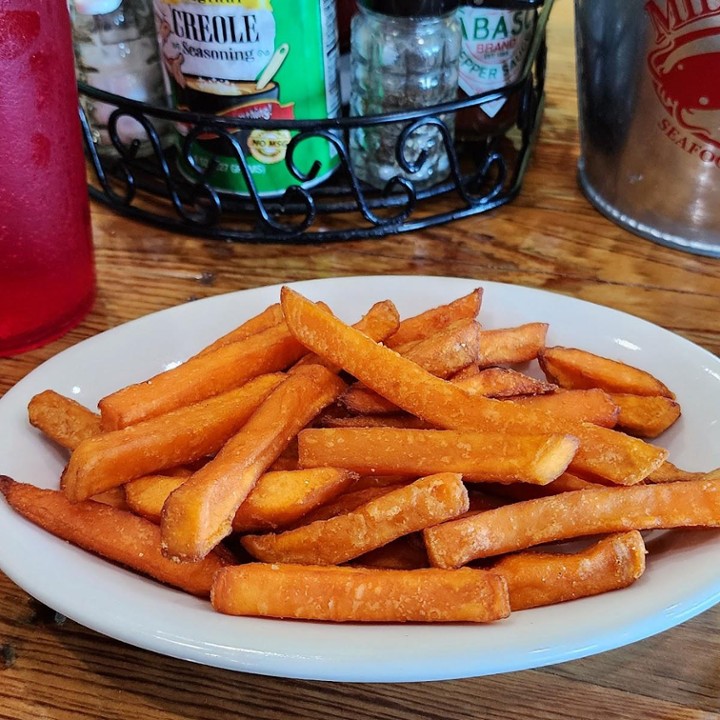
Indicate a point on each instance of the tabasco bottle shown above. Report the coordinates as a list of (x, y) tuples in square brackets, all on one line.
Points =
[(495, 43)]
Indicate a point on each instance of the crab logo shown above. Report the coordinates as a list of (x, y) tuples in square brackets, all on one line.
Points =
[(685, 64)]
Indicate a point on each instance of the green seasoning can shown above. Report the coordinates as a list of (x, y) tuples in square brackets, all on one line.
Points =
[(253, 59)]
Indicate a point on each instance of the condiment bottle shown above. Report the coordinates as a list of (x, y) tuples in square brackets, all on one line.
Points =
[(404, 56), (254, 60), (116, 51), (494, 47)]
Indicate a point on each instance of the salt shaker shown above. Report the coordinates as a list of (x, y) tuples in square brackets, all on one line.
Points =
[(404, 56), (116, 50)]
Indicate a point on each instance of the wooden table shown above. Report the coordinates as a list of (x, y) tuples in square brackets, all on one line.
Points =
[(548, 238)]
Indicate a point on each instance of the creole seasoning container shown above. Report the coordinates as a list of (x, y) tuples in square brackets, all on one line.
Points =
[(495, 43), (253, 59)]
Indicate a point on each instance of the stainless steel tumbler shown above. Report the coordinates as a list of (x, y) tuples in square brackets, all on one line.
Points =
[(649, 108)]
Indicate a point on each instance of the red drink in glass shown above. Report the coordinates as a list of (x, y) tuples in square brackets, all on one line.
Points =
[(46, 263)]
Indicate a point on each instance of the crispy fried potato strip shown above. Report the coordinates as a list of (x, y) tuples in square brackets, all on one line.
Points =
[(489, 457), (535, 579), (199, 514), (113, 534), (352, 594), (645, 415), (113, 458), (425, 502), (512, 346), (579, 369), (62, 419), (429, 322), (695, 503), (202, 377), (269, 317)]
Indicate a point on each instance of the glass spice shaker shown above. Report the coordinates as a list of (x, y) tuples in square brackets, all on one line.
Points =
[(116, 50), (404, 56)]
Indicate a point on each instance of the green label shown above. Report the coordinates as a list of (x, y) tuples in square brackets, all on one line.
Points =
[(253, 59)]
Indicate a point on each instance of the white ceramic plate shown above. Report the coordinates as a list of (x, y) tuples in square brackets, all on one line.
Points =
[(148, 615)]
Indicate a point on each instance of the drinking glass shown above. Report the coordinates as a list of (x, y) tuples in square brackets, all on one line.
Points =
[(47, 279)]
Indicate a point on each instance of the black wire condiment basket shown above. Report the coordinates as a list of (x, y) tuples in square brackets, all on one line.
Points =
[(485, 173)]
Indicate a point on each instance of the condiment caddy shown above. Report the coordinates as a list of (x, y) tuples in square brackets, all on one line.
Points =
[(326, 197)]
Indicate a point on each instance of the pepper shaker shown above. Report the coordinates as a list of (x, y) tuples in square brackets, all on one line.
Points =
[(404, 56)]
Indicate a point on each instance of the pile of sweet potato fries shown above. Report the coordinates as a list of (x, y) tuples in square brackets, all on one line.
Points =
[(394, 470)]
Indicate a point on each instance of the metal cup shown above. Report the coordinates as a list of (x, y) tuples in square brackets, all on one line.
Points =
[(649, 109)]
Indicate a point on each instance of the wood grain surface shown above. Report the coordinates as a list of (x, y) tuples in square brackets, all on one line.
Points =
[(550, 238)]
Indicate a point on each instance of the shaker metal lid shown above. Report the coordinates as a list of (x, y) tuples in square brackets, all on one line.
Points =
[(410, 8)]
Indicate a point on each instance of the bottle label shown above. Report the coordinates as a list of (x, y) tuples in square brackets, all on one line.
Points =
[(682, 61), (494, 46), (252, 59)]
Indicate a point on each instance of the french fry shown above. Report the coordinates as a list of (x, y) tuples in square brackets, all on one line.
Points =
[(361, 400), (405, 553), (442, 354), (282, 498), (667, 472), (448, 350), (609, 456), (349, 501), (526, 491), (114, 498), (113, 534), (62, 419), (574, 514), (535, 579), (488, 457), (445, 405), (493, 382), (429, 322), (113, 458), (380, 321), (497, 382), (397, 420), (511, 346), (645, 415), (202, 377), (278, 499), (199, 514), (269, 317), (425, 502), (578, 369), (591, 406), (146, 496), (288, 458), (350, 594)]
